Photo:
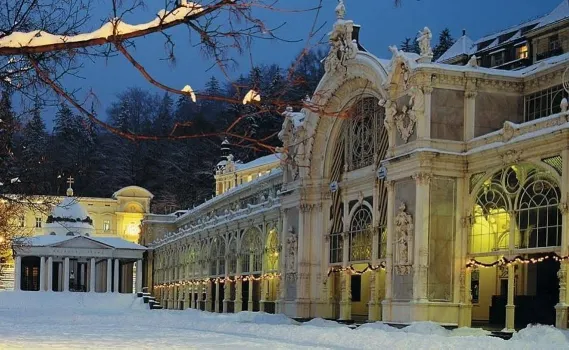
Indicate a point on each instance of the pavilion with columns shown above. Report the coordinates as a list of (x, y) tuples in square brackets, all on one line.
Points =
[(69, 257)]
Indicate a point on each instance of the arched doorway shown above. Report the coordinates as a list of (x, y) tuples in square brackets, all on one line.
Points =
[(516, 214)]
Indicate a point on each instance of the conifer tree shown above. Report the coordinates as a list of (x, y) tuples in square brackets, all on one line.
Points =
[(445, 42)]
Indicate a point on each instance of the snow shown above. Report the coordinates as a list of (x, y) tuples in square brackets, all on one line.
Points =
[(463, 46), (115, 26), (117, 243), (70, 208), (251, 96), (189, 90), (53, 240), (272, 158), (559, 13), (42, 320)]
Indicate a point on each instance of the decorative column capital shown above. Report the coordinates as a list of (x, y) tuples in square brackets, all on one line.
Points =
[(427, 90), (422, 178), (470, 94), (389, 185)]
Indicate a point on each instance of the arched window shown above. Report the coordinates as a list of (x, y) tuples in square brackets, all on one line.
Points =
[(232, 256), (272, 250), (361, 234), (365, 134), (519, 204), (251, 251)]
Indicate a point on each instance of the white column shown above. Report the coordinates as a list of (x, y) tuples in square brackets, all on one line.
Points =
[(50, 274), (139, 276), (109, 275), (116, 277), (18, 273), (92, 278), (66, 275), (42, 273)]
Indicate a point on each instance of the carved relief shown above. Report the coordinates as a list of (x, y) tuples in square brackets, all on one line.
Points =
[(508, 131), (390, 112), (405, 123), (511, 157), (404, 233)]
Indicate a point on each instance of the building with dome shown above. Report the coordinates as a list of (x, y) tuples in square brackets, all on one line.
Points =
[(66, 252)]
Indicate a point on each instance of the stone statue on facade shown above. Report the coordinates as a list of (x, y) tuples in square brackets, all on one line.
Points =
[(404, 232), (292, 249), (342, 45), (424, 40)]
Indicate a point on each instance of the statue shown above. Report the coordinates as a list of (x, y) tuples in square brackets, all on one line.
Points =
[(292, 247), (340, 10), (472, 62), (424, 40), (342, 45), (390, 112), (404, 233)]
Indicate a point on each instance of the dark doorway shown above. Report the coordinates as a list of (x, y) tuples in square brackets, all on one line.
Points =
[(220, 296), (30, 277), (245, 296)]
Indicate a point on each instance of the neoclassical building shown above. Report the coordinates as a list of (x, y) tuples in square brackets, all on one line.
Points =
[(118, 217), (407, 190)]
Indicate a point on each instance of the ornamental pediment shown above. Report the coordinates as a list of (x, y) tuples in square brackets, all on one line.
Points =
[(81, 242)]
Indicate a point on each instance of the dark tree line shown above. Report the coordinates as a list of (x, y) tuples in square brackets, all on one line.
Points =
[(178, 172)]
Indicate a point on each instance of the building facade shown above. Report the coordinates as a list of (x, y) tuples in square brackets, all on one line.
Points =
[(119, 216), (408, 190)]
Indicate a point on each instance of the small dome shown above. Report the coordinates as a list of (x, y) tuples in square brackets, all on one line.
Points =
[(69, 208)]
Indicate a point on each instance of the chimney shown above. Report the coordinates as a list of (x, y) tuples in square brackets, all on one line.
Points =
[(463, 32)]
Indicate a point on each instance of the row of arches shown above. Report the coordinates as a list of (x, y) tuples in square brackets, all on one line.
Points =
[(252, 253)]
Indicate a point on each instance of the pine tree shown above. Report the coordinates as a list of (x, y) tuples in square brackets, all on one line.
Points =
[(8, 128), (445, 42), (34, 159), (406, 45)]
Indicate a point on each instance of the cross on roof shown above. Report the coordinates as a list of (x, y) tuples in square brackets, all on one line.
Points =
[(70, 181)]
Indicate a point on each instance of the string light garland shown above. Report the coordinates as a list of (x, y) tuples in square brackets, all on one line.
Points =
[(353, 271), (503, 261), (217, 280)]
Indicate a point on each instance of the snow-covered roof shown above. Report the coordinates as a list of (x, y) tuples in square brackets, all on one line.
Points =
[(463, 46), (133, 191), (69, 208), (560, 13), (51, 240), (272, 158)]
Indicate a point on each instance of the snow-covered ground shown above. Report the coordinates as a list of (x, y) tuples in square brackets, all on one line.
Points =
[(33, 320)]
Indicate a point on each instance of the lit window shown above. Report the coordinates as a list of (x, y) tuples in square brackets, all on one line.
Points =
[(106, 225), (38, 222), (522, 52)]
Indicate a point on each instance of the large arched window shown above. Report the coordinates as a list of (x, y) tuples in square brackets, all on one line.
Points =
[(364, 133), (518, 205), (361, 234), (251, 251)]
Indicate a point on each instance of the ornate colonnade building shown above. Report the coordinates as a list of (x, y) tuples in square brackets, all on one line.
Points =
[(408, 190)]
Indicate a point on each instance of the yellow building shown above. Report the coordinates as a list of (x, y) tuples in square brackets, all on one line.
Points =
[(118, 216)]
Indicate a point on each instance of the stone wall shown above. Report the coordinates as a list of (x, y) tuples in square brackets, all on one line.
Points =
[(492, 110), (447, 114)]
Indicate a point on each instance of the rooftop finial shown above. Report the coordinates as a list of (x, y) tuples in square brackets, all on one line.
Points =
[(70, 181), (340, 10)]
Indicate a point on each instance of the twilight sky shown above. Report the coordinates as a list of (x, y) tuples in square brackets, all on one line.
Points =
[(382, 25)]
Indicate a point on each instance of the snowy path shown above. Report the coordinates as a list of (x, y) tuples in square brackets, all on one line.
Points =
[(50, 320)]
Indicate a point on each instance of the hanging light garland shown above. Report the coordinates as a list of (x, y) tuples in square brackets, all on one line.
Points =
[(503, 261), (206, 281), (353, 271)]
